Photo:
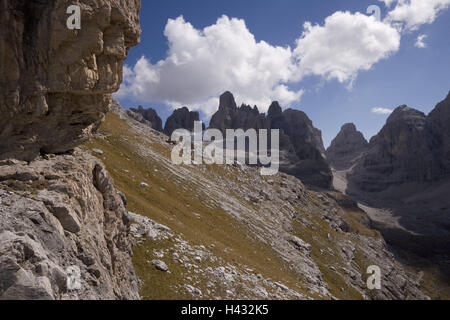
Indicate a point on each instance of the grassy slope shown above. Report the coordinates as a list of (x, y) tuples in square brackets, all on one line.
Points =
[(172, 202)]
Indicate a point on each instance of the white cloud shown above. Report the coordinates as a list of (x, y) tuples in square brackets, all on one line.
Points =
[(388, 3), (202, 64), (420, 42), (383, 111), (414, 13), (346, 44)]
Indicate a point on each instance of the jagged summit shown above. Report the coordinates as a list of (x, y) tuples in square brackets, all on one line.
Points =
[(348, 128), (348, 145), (151, 116), (181, 119), (302, 150), (227, 101), (274, 109)]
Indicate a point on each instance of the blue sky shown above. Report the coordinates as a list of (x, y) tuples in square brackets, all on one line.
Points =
[(418, 77)]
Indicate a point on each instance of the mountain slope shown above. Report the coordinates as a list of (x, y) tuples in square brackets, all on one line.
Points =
[(401, 180), (230, 233)]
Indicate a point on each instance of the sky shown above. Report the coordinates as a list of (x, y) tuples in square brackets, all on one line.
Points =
[(331, 59)]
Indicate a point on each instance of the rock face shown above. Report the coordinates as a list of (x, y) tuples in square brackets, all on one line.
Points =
[(181, 119), (151, 116), (63, 78), (439, 119), (301, 145), (348, 145), (58, 213), (229, 116), (411, 147)]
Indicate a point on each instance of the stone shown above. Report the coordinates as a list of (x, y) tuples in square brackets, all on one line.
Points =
[(193, 291), (300, 244), (98, 151), (159, 265)]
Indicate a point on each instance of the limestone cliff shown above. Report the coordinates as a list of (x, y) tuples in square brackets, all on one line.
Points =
[(63, 78), (59, 208)]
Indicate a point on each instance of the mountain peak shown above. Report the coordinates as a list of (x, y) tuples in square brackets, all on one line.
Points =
[(404, 112), (348, 127), (348, 145), (227, 101), (275, 109)]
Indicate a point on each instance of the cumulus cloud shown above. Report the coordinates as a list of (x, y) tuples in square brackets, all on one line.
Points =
[(382, 111), (414, 13), (420, 42), (202, 64), (346, 44)]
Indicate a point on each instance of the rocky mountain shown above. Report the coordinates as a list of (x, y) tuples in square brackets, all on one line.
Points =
[(302, 151), (172, 231), (226, 232), (60, 208), (439, 118), (411, 147), (345, 149), (149, 115), (402, 181), (181, 119), (229, 116)]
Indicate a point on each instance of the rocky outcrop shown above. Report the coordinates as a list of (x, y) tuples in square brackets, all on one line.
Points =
[(439, 120), (301, 145), (181, 119), (60, 212), (150, 115), (58, 82), (229, 116), (411, 147), (345, 149), (302, 150)]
